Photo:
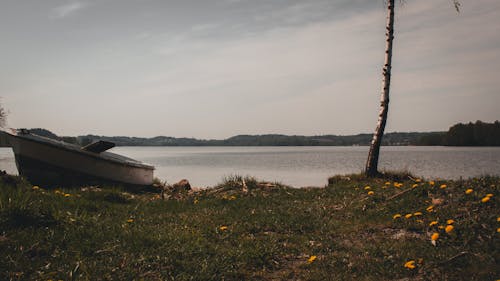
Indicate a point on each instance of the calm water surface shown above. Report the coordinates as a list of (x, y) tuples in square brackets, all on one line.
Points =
[(300, 166)]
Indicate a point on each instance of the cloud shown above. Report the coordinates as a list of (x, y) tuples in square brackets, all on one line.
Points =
[(281, 53), (331, 69), (204, 27), (296, 72), (66, 10)]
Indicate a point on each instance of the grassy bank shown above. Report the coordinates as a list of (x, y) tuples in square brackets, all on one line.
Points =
[(353, 229)]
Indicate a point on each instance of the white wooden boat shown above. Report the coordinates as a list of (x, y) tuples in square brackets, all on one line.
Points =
[(48, 162)]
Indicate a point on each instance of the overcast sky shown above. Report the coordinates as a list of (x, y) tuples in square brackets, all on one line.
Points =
[(217, 68)]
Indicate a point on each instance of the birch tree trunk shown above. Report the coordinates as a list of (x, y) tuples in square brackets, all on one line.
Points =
[(371, 168)]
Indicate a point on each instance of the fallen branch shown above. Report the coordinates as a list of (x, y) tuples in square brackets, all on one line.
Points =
[(398, 194), (461, 254)]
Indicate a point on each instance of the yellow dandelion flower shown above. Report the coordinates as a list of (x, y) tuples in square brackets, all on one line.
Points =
[(498, 219), (311, 259), (371, 192), (435, 236), (449, 228), (485, 199), (67, 195), (417, 214), (414, 185), (420, 221), (498, 230), (430, 208), (130, 220), (387, 183), (489, 195), (223, 228), (196, 201), (450, 221), (441, 227), (432, 183), (35, 187), (410, 264), (367, 187), (407, 216), (418, 180), (469, 191), (396, 216), (433, 223), (443, 186)]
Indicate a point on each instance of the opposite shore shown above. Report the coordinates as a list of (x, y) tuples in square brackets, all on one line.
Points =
[(471, 134)]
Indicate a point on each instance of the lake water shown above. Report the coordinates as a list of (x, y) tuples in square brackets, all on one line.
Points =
[(300, 166)]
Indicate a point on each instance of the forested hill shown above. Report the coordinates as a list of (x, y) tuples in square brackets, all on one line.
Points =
[(474, 134), (255, 140), (471, 134)]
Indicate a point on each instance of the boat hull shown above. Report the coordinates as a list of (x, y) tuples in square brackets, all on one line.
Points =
[(48, 175), (47, 164)]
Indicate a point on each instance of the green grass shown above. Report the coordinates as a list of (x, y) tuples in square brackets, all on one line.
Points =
[(243, 229)]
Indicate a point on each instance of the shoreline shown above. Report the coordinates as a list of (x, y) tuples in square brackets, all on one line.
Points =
[(243, 229)]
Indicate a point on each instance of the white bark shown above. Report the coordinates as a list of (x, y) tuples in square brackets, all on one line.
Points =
[(372, 161)]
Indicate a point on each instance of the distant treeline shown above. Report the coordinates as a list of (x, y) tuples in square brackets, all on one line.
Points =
[(471, 134)]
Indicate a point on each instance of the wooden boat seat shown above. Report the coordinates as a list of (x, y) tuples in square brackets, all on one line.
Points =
[(99, 146)]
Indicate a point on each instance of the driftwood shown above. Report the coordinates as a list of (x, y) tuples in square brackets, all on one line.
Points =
[(245, 187)]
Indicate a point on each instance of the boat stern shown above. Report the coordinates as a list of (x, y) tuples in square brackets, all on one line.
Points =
[(6, 137)]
